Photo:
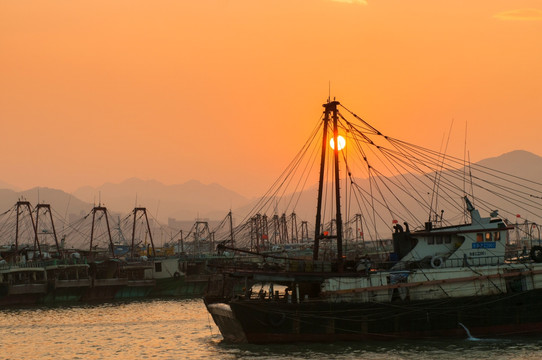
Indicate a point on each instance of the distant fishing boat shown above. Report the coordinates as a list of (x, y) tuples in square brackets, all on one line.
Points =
[(39, 273), (440, 278), (22, 284), (21, 281)]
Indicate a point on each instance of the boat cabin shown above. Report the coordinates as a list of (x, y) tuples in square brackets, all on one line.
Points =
[(482, 242)]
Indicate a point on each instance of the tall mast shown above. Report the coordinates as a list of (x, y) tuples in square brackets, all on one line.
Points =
[(48, 208), (104, 211), (26, 204), (330, 110), (132, 249), (338, 216), (231, 228), (318, 225), (295, 235)]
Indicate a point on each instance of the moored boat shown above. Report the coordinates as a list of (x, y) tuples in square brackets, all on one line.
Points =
[(22, 283), (68, 280), (440, 280)]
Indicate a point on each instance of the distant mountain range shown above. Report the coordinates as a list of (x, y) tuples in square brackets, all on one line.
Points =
[(520, 163), (185, 201), (193, 199), (5, 185), (62, 203)]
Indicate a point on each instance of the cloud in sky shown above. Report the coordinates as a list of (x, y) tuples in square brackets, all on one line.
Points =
[(359, 2), (520, 14)]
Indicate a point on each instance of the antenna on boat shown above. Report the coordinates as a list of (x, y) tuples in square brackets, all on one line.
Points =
[(438, 176), (231, 228), (470, 178), (66, 214), (465, 167), (157, 208)]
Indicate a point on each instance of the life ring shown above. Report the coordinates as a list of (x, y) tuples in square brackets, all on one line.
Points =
[(536, 253), (177, 275), (276, 319), (437, 262)]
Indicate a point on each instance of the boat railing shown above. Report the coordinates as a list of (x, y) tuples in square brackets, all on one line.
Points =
[(42, 263), (316, 266), (473, 261), (290, 265), (67, 261), (308, 266), (23, 265), (137, 264)]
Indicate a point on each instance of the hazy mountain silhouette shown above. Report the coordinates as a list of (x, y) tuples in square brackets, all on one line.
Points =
[(5, 185), (520, 164), (62, 202), (65, 207), (184, 201)]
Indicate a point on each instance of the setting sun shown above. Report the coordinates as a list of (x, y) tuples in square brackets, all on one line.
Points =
[(341, 140), (128, 72)]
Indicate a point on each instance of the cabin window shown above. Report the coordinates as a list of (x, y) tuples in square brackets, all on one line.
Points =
[(431, 240), (447, 239), (497, 236), (479, 237), (158, 267), (439, 239), (488, 236)]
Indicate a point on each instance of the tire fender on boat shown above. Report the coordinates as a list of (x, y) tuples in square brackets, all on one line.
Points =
[(437, 262), (536, 253), (177, 275)]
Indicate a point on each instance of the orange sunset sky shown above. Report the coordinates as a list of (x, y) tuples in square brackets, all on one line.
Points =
[(227, 91)]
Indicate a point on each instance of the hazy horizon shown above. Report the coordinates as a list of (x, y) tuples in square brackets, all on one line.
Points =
[(127, 180), (104, 183)]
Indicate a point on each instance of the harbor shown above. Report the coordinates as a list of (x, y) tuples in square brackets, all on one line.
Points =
[(237, 179)]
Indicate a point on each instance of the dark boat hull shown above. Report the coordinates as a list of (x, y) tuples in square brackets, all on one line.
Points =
[(21, 294), (61, 291), (323, 321)]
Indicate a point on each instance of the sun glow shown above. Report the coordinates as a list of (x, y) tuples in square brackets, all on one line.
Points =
[(340, 140)]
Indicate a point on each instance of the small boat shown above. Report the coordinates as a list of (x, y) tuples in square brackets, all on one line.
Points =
[(441, 280)]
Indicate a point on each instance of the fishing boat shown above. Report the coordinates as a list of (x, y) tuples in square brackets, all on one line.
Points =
[(443, 278), (23, 269), (22, 284), (68, 280), (37, 268)]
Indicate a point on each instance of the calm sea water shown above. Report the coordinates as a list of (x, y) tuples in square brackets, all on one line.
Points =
[(182, 329)]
